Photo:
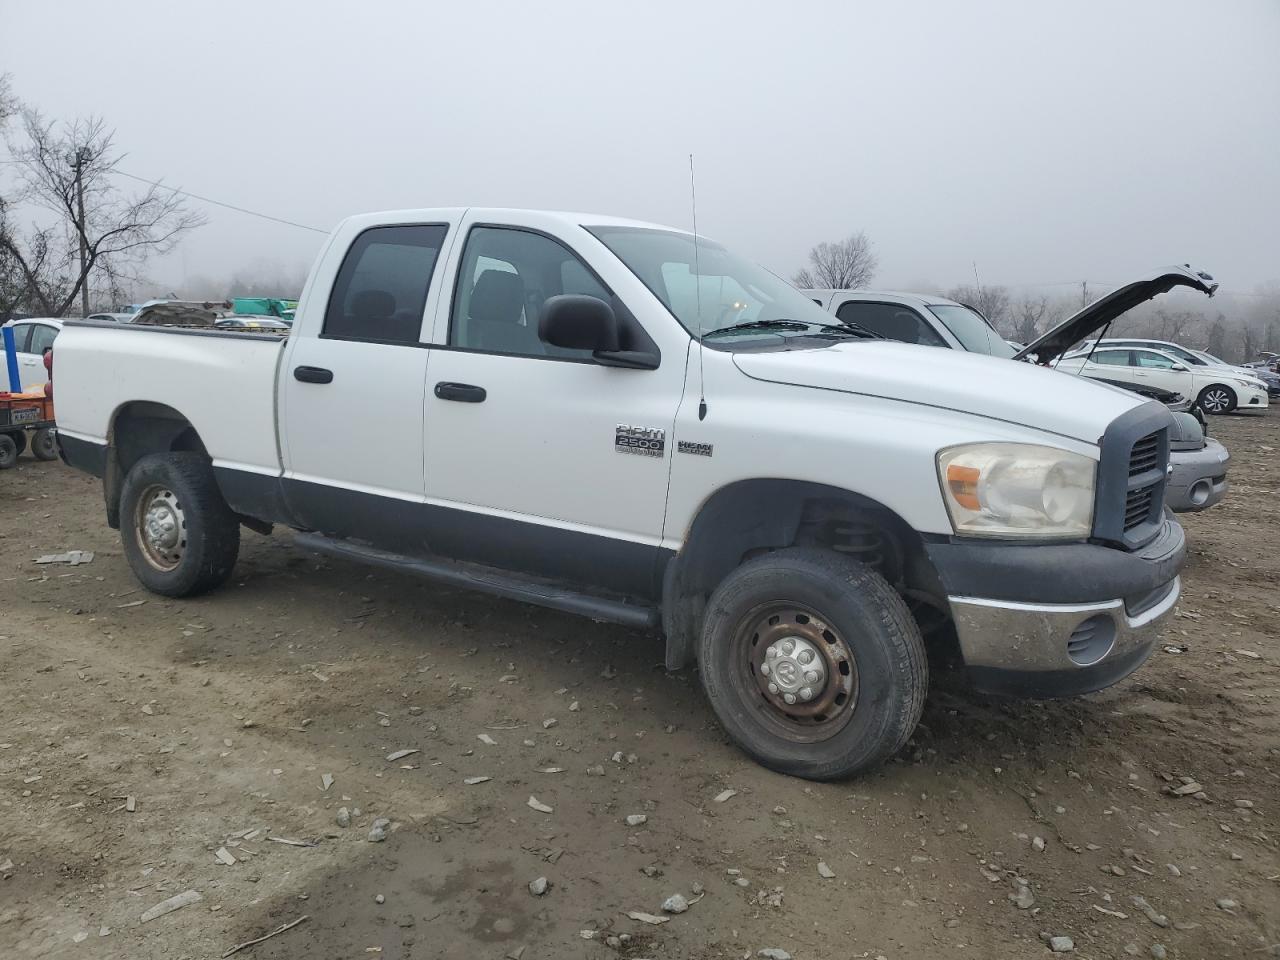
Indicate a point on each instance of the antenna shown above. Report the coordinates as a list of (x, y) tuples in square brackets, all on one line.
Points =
[(697, 287)]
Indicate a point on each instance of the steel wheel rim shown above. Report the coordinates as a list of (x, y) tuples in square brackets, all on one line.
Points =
[(833, 701), (160, 527), (1216, 401)]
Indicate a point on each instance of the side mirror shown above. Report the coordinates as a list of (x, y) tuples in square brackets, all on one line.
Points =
[(1179, 367), (577, 322)]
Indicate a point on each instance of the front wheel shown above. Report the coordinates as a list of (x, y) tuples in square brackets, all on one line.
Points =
[(813, 663), (44, 444), (179, 535), (8, 452), (1217, 399)]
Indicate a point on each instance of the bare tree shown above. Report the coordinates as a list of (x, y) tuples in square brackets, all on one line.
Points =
[(844, 265), (97, 233), (1027, 318), (992, 302)]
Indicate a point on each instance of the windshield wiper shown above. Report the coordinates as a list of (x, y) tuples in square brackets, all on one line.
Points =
[(828, 329)]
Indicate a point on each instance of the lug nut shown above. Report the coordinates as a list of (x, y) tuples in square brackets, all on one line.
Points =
[(772, 653), (788, 646), (789, 697), (806, 693), (806, 656), (764, 668), (811, 677), (773, 688)]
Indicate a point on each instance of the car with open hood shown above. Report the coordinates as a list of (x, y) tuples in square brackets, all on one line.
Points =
[(931, 320)]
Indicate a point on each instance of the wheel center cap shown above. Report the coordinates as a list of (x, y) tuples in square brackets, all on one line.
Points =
[(795, 668)]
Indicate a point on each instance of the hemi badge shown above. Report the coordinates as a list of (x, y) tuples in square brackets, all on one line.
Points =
[(697, 449)]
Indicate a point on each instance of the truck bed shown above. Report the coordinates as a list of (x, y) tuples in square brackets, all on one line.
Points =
[(222, 381)]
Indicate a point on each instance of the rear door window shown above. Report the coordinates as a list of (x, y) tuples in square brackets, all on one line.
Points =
[(1112, 358), (381, 289), (21, 335), (892, 320), (42, 337)]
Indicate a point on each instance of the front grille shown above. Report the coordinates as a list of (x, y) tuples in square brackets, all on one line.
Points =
[(1146, 477), (1132, 473), (1145, 455), (1137, 507)]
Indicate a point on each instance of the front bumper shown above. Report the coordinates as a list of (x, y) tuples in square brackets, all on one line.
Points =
[(1058, 620), (1253, 398), (1197, 478)]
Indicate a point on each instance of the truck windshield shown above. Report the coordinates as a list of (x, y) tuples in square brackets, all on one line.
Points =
[(715, 290), (973, 332)]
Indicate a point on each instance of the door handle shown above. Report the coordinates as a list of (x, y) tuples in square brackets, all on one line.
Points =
[(313, 375), (462, 392)]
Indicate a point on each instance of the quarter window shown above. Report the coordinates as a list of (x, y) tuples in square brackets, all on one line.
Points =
[(381, 290), (505, 278), (890, 320)]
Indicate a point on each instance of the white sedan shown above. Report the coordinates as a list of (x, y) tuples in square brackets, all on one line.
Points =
[(32, 336), (1218, 389)]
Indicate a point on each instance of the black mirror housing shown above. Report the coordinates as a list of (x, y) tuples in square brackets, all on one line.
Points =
[(578, 322)]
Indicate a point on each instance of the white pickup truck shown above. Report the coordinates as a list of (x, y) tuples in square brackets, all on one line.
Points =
[(631, 423)]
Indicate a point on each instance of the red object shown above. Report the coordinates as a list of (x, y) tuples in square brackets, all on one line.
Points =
[(48, 365)]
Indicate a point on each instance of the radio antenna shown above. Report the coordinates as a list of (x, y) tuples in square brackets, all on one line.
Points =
[(697, 287)]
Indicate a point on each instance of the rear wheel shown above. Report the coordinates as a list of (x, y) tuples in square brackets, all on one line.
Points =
[(1217, 399), (44, 444), (8, 451), (179, 535), (813, 663)]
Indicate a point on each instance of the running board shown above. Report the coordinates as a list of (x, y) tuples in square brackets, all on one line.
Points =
[(487, 580)]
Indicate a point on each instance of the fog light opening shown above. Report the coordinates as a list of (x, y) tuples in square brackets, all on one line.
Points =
[(1091, 640), (1199, 493)]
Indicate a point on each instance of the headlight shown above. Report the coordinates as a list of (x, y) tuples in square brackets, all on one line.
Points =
[(1017, 490)]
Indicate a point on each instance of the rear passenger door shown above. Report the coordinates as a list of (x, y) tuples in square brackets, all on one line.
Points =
[(895, 321), (352, 386), (1110, 365)]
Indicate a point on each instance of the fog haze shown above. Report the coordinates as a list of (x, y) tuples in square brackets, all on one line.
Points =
[(1047, 142)]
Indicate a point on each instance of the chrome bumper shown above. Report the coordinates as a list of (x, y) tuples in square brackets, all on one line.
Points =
[(1065, 649)]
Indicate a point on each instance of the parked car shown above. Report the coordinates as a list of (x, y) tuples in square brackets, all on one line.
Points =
[(632, 423), (1218, 389), (936, 321), (1220, 394), (32, 337), (1267, 376), (112, 317)]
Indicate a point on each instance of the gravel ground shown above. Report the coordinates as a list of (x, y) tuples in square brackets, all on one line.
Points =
[(150, 747)]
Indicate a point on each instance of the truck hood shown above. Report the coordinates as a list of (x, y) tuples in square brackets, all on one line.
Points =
[(1102, 311), (971, 383)]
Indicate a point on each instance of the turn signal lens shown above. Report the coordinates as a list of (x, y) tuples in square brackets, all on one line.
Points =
[(963, 482)]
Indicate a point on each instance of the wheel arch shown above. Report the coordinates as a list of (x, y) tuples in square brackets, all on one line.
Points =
[(139, 428), (750, 517)]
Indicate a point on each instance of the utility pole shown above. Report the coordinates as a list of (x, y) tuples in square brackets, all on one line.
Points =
[(82, 157), (1084, 294)]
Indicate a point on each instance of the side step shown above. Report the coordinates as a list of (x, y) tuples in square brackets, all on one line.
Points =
[(487, 580)]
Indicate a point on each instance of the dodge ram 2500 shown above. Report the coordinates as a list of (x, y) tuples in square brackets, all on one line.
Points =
[(630, 422)]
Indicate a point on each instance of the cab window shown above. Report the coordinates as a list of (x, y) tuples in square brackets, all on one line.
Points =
[(891, 320), (380, 292), (507, 275)]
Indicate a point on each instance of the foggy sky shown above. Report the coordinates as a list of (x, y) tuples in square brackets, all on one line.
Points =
[(1048, 141)]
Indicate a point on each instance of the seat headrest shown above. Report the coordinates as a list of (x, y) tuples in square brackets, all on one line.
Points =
[(497, 296), (373, 305)]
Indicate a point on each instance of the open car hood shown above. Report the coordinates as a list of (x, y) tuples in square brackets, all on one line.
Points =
[(1101, 312)]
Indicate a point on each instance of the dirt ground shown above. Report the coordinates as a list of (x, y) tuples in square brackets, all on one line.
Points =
[(223, 717)]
